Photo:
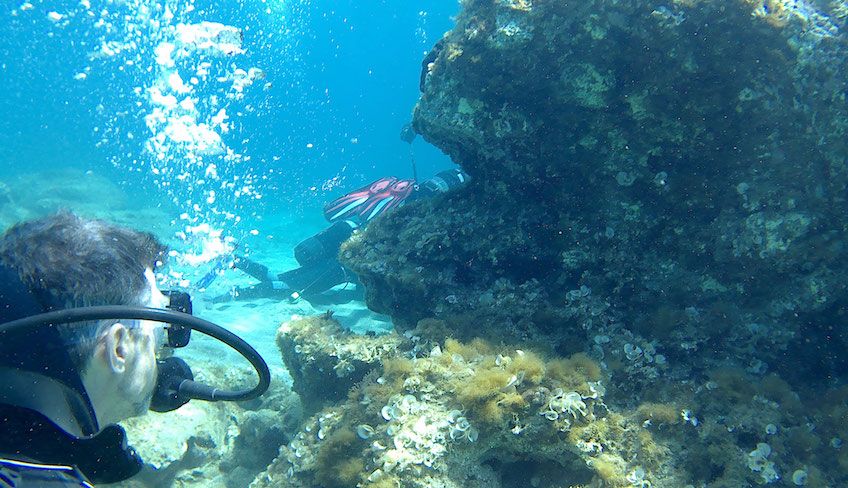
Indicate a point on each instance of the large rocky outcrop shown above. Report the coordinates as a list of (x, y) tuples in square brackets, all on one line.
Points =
[(664, 175)]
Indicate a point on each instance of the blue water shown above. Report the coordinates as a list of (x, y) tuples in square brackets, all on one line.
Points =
[(343, 80), (340, 81)]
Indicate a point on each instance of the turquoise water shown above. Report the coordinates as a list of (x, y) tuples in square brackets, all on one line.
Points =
[(337, 84), (213, 125), (306, 104)]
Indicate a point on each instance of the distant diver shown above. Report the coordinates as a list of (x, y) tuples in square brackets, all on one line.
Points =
[(317, 256)]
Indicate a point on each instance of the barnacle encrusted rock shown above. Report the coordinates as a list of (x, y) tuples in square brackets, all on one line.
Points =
[(661, 184), (683, 160), (326, 360), (473, 415), (476, 414)]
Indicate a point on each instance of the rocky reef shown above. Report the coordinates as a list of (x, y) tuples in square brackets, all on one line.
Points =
[(682, 161), (477, 414), (214, 444), (325, 360), (642, 285), (468, 415), (660, 186)]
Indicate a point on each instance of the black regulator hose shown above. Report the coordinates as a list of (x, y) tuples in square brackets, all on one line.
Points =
[(187, 389)]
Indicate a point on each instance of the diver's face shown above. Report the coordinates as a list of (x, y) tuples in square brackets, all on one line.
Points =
[(121, 377), (141, 377)]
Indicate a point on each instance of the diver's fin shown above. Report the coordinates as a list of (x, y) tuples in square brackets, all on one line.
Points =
[(393, 196), (350, 204)]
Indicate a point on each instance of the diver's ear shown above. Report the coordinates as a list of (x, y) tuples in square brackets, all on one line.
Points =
[(117, 347)]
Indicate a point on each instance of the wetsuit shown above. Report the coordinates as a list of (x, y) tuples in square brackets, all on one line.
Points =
[(317, 256), (35, 452), (49, 434)]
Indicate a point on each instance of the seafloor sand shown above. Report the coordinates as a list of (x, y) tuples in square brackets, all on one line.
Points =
[(257, 320)]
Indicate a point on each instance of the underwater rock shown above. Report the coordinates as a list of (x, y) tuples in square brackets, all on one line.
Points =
[(479, 414), (669, 169), (50, 191), (661, 185), (325, 360), (474, 415), (177, 442), (32, 195)]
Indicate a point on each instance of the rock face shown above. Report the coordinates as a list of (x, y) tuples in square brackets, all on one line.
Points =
[(475, 415), (483, 415), (325, 361), (661, 185), (675, 170)]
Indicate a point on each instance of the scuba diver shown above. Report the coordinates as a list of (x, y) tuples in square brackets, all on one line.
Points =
[(317, 256), (87, 340)]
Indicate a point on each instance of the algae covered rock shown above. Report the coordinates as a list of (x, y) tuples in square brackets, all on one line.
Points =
[(483, 414), (678, 164), (474, 414), (660, 185), (325, 360)]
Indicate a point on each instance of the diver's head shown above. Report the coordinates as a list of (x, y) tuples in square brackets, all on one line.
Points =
[(65, 261), (120, 370)]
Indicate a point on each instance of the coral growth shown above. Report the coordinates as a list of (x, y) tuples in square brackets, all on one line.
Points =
[(462, 414), (317, 351)]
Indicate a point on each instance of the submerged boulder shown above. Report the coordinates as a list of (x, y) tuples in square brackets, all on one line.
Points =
[(474, 415), (673, 170), (480, 414), (214, 444), (325, 360), (661, 185)]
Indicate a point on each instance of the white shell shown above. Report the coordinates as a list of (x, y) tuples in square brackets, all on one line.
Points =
[(377, 474), (386, 412), (364, 431)]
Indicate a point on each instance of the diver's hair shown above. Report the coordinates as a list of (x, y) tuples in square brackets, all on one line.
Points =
[(80, 262)]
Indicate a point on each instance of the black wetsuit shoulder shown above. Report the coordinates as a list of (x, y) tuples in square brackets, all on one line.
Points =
[(29, 442)]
